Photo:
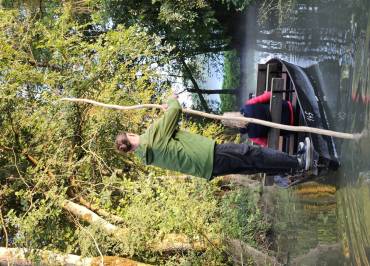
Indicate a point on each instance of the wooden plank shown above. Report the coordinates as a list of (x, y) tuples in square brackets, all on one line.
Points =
[(288, 90), (296, 111), (261, 79), (280, 143), (275, 110), (284, 142), (292, 145), (268, 180), (289, 140), (273, 71)]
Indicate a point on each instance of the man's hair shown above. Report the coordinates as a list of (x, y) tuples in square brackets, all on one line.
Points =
[(122, 143)]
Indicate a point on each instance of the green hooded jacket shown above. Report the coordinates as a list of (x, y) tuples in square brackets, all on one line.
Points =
[(165, 146)]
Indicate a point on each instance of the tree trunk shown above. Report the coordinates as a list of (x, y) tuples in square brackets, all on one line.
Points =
[(195, 84), (19, 256)]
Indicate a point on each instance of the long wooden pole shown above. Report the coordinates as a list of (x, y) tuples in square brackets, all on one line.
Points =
[(246, 120)]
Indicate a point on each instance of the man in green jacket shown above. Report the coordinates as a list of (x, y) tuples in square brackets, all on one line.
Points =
[(165, 146)]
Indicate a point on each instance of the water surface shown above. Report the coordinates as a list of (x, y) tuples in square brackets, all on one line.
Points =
[(325, 222)]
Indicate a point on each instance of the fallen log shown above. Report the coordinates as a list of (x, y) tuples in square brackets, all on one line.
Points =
[(241, 251), (99, 211), (169, 243), (90, 217), (20, 256)]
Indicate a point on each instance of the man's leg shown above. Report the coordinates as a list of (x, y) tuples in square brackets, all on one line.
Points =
[(246, 159)]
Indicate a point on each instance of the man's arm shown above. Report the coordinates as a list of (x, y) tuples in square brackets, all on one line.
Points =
[(167, 124)]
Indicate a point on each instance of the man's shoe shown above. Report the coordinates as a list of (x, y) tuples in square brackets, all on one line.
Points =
[(308, 154), (301, 148), (305, 154)]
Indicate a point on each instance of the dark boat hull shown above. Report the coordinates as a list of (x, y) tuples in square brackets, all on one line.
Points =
[(313, 113)]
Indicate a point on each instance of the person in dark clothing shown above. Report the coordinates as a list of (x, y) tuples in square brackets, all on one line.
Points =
[(164, 145), (259, 107)]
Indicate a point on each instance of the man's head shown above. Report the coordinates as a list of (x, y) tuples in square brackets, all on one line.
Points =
[(126, 142)]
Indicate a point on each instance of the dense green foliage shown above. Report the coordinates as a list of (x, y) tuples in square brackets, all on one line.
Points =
[(193, 27), (51, 151), (231, 80), (244, 220)]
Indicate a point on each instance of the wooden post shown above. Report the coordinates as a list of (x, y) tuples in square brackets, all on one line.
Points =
[(273, 71), (261, 79), (276, 103)]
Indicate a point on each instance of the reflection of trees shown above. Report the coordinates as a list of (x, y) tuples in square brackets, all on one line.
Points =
[(303, 218), (315, 255), (315, 33)]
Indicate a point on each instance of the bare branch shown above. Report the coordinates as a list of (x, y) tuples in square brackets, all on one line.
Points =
[(246, 120)]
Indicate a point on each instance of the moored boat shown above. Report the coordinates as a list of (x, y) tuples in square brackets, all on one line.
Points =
[(308, 108)]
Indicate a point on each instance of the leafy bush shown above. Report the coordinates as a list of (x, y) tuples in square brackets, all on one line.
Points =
[(241, 217)]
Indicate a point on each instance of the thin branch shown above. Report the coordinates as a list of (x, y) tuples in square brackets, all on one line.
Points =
[(246, 120), (45, 65), (182, 91), (100, 160), (16, 167), (4, 228), (93, 238)]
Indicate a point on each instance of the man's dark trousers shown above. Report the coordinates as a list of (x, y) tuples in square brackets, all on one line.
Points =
[(233, 158)]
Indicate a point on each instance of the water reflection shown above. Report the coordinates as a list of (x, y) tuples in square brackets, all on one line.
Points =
[(326, 222), (310, 31)]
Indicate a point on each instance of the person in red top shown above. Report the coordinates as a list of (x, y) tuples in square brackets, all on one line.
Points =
[(259, 107)]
